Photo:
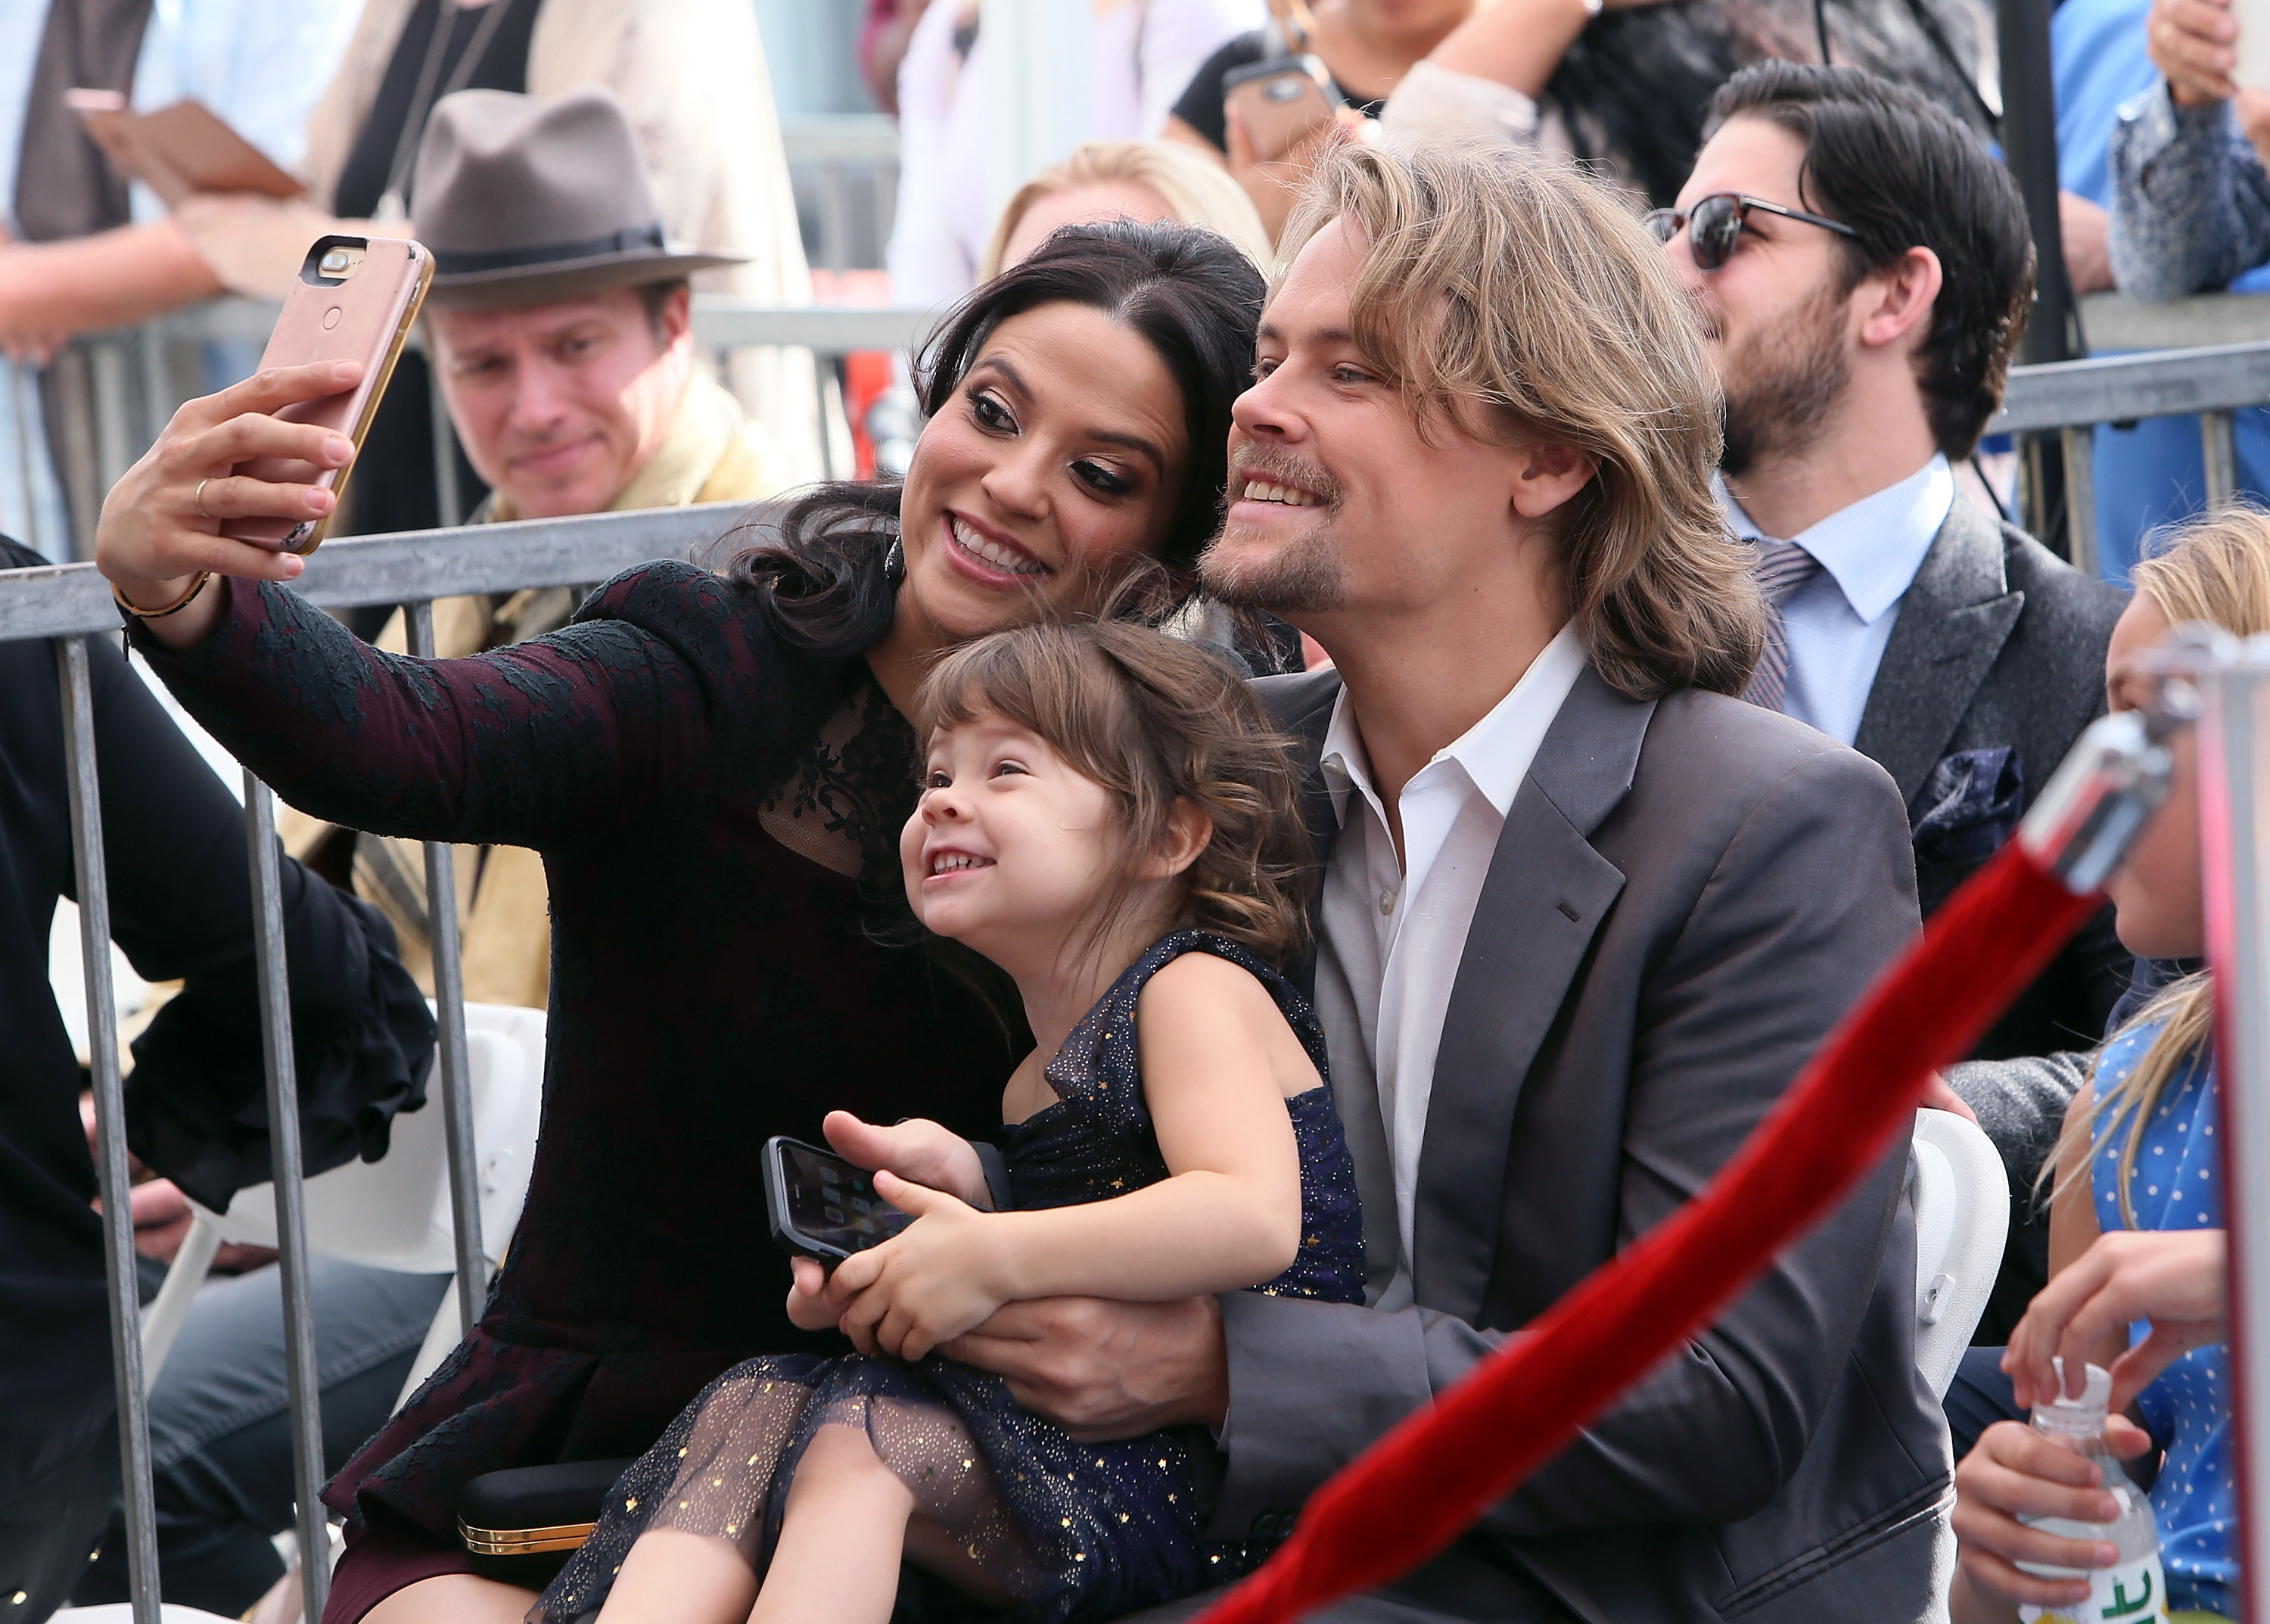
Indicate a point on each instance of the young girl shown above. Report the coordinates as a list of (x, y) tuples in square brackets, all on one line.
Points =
[(1104, 816), (2136, 1223)]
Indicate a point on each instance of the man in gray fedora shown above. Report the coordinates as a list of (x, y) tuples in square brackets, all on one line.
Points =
[(560, 328)]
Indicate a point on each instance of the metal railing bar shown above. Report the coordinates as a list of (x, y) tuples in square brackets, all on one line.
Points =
[(2238, 938), (718, 323), (2219, 442), (2117, 321), (862, 140), (2080, 445), (24, 384), (449, 501), (301, 1380), (2117, 388), (60, 600), (111, 1171), (451, 1058)]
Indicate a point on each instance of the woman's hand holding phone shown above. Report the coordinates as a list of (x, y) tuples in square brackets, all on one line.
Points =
[(161, 522), (1274, 183)]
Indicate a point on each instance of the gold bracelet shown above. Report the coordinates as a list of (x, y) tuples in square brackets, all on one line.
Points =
[(174, 608)]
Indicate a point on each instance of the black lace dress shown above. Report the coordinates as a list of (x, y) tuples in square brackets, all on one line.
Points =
[(1071, 1531), (711, 985)]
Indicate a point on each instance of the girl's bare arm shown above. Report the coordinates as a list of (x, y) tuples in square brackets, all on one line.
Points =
[(1218, 1063)]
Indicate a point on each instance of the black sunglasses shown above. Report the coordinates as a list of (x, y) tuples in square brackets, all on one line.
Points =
[(1714, 225)]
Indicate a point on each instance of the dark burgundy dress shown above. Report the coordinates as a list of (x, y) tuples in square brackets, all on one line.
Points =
[(710, 988)]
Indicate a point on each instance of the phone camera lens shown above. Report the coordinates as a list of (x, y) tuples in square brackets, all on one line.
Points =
[(1283, 89)]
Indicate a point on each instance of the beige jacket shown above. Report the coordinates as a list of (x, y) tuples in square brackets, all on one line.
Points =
[(691, 75), (712, 453)]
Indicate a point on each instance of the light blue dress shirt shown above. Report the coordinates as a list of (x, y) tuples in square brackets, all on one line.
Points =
[(1840, 621), (261, 65)]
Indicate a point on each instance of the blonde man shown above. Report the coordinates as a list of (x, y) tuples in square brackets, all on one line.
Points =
[(1584, 916)]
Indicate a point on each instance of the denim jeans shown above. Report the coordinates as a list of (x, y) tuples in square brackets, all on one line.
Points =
[(220, 1424)]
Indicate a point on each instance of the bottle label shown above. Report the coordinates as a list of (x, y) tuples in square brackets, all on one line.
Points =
[(2129, 1594)]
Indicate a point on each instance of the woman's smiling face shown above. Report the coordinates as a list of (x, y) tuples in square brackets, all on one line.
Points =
[(1059, 457)]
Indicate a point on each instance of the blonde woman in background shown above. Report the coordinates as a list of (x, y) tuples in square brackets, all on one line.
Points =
[(1141, 181), (2136, 1227)]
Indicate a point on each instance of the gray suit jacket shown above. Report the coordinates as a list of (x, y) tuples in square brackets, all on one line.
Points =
[(1688, 894), (1996, 663)]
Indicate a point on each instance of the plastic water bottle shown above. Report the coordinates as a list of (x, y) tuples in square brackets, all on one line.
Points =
[(2133, 1590)]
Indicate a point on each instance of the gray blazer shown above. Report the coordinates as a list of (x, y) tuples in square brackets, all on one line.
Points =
[(1995, 665), (1688, 894)]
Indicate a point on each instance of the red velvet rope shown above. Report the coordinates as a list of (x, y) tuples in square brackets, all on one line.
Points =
[(1418, 1489)]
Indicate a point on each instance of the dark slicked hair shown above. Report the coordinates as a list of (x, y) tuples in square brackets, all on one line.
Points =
[(1193, 296), (1904, 174)]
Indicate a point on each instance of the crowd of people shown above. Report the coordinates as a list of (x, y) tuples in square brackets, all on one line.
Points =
[(1411, 678)]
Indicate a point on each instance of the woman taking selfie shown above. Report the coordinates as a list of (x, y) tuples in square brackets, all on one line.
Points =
[(715, 772)]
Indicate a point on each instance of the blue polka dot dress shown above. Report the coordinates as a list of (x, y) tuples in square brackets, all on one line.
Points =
[(2177, 1184)]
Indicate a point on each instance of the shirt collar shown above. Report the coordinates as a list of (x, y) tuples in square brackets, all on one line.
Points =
[(1874, 548), (1494, 754)]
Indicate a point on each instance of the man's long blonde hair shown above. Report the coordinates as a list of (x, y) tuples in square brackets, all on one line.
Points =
[(1515, 297), (2215, 570)]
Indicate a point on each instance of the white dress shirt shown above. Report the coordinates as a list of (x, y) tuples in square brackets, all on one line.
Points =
[(1394, 933), (1841, 620)]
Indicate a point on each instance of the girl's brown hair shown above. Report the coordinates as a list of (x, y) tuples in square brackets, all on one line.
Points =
[(1156, 721)]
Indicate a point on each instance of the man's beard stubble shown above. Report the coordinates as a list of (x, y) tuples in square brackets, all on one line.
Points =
[(1779, 388), (1304, 574)]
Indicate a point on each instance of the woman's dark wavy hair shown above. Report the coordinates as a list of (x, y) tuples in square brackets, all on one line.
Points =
[(1193, 296)]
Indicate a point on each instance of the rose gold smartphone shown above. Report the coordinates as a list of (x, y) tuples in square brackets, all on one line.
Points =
[(355, 300), (1283, 101)]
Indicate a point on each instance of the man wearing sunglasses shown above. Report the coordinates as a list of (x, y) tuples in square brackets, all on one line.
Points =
[(1863, 269)]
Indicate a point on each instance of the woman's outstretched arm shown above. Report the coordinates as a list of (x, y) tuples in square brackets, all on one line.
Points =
[(560, 734)]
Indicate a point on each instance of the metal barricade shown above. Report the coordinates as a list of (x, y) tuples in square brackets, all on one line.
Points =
[(67, 604)]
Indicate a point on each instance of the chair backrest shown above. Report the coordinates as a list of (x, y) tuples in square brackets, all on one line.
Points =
[(394, 1213), (1961, 1202)]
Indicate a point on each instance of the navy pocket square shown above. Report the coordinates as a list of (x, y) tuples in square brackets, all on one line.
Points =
[(1972, 801)]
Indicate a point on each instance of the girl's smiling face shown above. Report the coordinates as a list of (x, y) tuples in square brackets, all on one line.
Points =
[(1011, 851), (1058, 461)]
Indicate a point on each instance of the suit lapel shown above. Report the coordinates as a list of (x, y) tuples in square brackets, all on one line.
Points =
[(1952, 622), (1545, 897), (1300, 705)]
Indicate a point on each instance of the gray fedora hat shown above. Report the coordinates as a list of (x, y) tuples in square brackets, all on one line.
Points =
[(525, 199)]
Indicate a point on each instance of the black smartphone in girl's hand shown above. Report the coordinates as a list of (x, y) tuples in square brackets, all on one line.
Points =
[(821, 1205)]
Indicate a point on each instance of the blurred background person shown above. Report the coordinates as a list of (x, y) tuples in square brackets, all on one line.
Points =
[(1143, 52), (78, 248), (1367, 46), (1629, 83), (1140, 181), (690, 74), (573, 382), (883, 35)]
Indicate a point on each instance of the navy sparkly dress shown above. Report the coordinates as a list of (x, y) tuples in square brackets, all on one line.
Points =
[(1071, 1531)]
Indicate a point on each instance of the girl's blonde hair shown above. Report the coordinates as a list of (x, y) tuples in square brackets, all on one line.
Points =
[(1199, 191), (2215, 570), (1156, 722)]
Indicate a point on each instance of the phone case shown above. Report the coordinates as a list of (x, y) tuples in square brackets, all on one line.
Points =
[(363, 315), (1282, 100)]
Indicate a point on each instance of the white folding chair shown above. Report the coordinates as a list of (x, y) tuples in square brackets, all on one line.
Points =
[(1961, 1202), (394, 1213)]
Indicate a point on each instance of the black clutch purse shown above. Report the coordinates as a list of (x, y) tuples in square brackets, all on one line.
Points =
[(521, 1526)]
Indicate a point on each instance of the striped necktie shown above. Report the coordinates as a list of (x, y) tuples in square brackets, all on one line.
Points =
[(1782, 567)]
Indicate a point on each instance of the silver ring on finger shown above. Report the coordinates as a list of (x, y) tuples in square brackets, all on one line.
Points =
[(198, 497)]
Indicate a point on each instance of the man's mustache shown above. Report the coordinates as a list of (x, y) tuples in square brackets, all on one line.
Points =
[(1253, 462)]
